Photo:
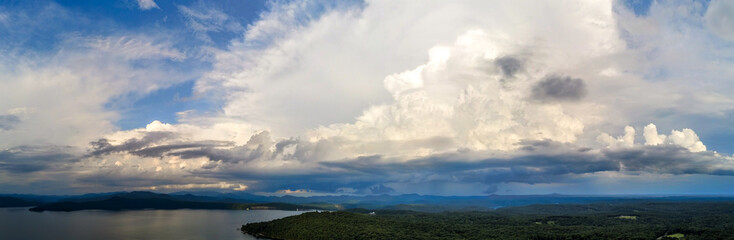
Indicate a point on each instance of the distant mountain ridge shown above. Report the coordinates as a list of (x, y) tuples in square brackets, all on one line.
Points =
[(17, 202), (418, 202), (241, 200), (148, 200)]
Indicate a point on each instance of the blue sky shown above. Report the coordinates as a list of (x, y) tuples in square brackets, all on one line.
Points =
[(639, 7), (90, 18), (367, 97)]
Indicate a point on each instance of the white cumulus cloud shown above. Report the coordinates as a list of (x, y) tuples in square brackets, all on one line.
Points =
[(685, 138), (147, 4), (720, 18)]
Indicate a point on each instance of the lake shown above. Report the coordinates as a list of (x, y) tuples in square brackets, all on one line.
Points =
[(19, 223)]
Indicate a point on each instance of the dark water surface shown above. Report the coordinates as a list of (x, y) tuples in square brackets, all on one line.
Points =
[(19, 223)]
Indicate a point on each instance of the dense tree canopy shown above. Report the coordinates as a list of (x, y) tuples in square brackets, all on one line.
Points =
[(639, 220)]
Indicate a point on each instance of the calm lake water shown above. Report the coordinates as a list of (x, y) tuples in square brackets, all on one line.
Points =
[(19, 223)]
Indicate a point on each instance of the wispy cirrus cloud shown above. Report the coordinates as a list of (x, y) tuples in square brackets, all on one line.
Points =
[(147, 4), (135, 47), (204, 19)]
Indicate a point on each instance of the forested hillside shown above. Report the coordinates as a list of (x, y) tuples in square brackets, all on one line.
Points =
[(640, 220)]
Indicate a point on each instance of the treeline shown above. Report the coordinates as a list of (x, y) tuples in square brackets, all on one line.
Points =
[(16, 202), (159, 201), (640, 220)]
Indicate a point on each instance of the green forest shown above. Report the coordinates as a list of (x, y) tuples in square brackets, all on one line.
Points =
[(632, 220)]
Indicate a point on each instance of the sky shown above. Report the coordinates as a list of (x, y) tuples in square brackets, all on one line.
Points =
[(276, 97)]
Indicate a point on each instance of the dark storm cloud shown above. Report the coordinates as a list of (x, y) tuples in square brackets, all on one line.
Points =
[(168, 149), (8, 122), (543, 162), (262, 147), (671, 159), (258, 147), (322, 180), (114, 179), (27, 159), (367, 174), (104, 147), (282, 145), (509, 65), (534, 168), (143, 146), (230, 155), (381, 189), (491, 189), (158, 144), (534, 162), (557, 88)]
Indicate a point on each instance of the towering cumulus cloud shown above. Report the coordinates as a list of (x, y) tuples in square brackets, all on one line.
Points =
[(462, 96), (374, 97)]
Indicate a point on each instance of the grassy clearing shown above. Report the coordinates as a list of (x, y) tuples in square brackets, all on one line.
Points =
[(676, 235)]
